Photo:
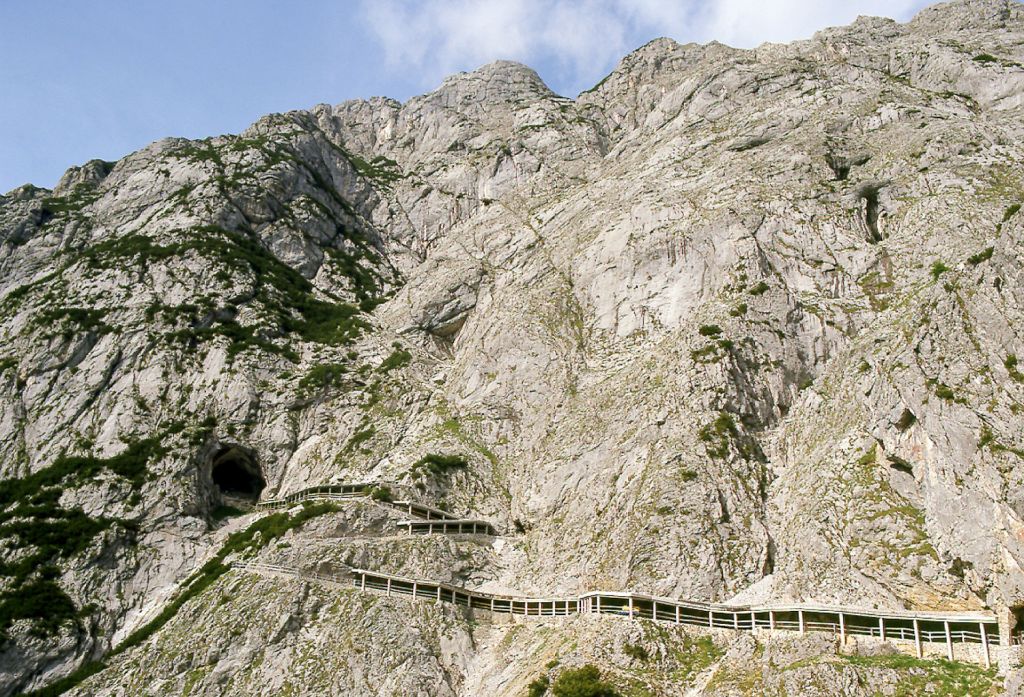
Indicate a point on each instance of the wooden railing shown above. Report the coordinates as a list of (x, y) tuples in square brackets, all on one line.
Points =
[(919, 627), (339, 492)]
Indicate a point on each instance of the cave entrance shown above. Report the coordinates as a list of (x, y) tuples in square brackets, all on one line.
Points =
[(1017, 625), (237, 476)]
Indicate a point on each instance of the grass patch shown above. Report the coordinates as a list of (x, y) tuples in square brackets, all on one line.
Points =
[(938, 268), (981, 256), (722, 434), (1011, 367), (709, 330), (323, 376), (939, 677), (399, 358), (438, 465), (358, 438), (944, 391)]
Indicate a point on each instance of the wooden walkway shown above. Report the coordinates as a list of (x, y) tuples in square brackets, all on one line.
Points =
[(432, 520), (949, 628)]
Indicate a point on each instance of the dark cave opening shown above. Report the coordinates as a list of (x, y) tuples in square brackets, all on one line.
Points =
[(1016, 621), (236, 474)]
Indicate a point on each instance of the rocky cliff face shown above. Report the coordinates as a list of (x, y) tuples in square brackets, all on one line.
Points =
[(730, 324)]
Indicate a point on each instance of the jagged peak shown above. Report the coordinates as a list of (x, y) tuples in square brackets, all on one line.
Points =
[(967, 14), (501, 80), (659, 56)]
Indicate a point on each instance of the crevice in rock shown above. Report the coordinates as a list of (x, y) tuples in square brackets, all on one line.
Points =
[(868, 193), (769, 558), (901, 465), (724, 505), (906, 420), (841, 164)]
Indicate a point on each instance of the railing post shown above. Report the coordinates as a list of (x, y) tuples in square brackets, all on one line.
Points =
[(771, 620), (917, 638), (711, 618), (984, 644), (842, 630), (439, 594), (949, 640), (677, 614), (753, 620), (800, 617), (414, 590), (364, 582), (881, 628), (630, 606), (389, 587), (736, 620), (654, 610), (599, 605)]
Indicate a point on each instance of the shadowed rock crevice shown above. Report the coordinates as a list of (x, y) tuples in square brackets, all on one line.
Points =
[(841, 164), (868, 193)]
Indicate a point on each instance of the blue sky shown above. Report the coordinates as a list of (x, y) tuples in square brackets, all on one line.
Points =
[(85, 79)]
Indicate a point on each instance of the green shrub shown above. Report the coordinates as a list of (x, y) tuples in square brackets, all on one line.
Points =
[(381, 493), (322, 376), (710, 330), (945, 392), (635, 651), (717, 435), (985, 58), (938, 268), (720, 433), (399, 358), (1011, 368), (582, 682), (439, 465), (981, 256), (538, 687), (1010, 211), (739, 310), (759, 289), (359, 437)]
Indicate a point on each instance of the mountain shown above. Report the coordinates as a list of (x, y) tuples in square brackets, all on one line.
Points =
[(731, 326)]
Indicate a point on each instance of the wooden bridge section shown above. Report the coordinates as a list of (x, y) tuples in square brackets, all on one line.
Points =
[(920, 627), (979, 629), (432, 520)]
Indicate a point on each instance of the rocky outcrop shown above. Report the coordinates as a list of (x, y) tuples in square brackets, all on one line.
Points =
[(730, 322)]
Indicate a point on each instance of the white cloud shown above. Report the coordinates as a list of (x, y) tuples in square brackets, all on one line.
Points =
[(574, 43)]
